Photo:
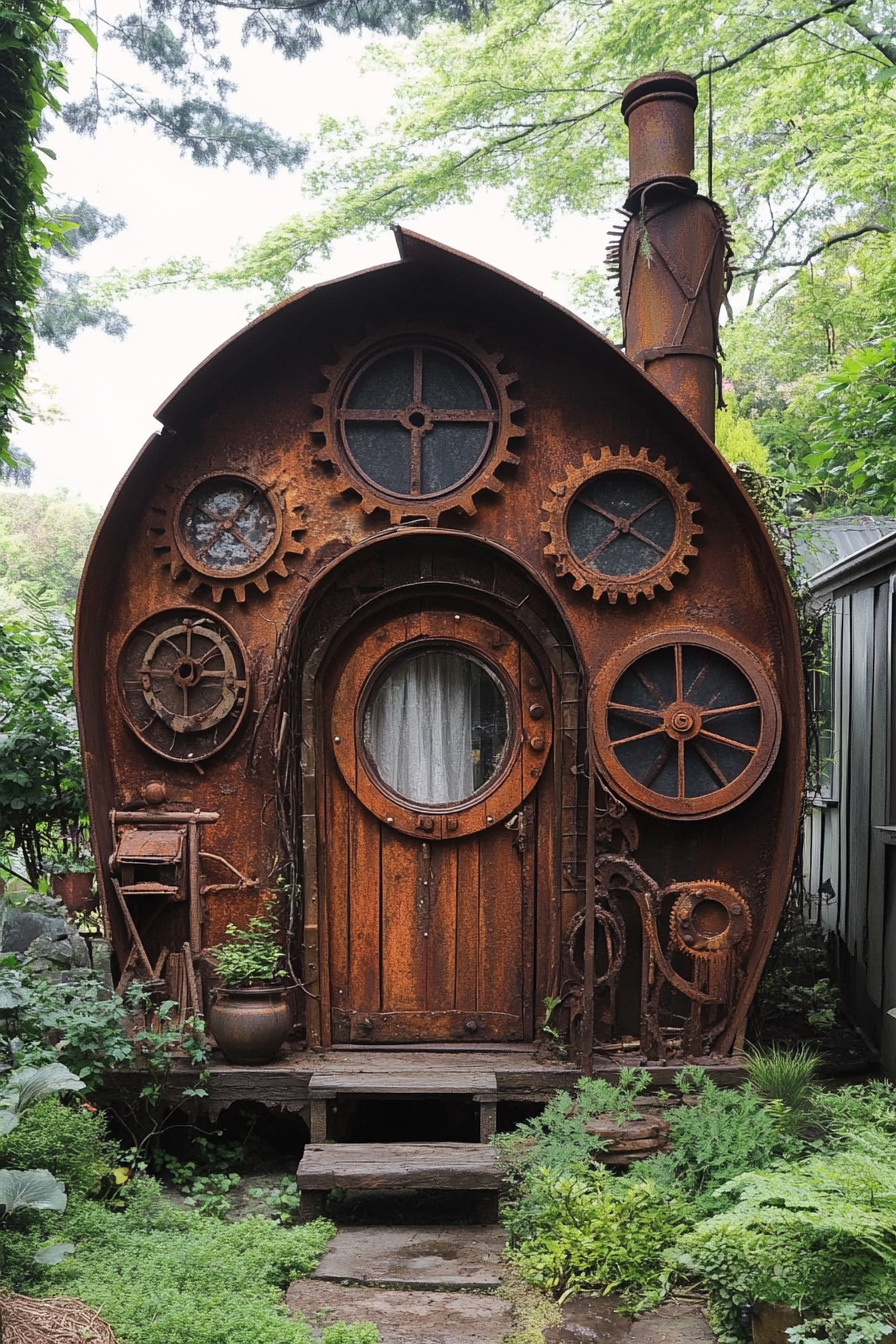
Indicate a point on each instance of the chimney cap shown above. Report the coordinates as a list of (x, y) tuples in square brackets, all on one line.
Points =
[(663, 84)]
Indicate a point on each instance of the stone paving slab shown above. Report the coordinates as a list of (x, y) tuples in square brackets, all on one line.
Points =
[(595, 1320), (415, 1257), (405, 1317)]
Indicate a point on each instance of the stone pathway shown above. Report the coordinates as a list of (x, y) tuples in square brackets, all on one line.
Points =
[(416, 1317), (434, 1285)]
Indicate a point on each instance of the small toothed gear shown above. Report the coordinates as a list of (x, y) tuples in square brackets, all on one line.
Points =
[(229, 531), (709, 919), (621, 523), (417, 422)]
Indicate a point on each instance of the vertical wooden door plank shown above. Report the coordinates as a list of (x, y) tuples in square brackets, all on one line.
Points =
[(364, 909), (405, 869), (500, 923), (441, 945), (467, 940)]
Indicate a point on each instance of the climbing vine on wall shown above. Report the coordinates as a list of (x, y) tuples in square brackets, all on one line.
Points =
[(31, 78)]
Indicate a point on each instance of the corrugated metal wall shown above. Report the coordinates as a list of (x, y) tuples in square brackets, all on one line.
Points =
[(850, 869)]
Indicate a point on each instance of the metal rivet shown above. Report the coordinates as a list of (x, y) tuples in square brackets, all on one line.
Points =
[(337, 739), (457, 618), (390, 820), (489, 818)]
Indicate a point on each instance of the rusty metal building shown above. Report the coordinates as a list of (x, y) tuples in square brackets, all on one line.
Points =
[(434, 610)]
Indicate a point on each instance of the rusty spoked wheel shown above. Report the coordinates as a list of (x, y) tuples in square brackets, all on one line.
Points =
[(686, 724), (182, 683)]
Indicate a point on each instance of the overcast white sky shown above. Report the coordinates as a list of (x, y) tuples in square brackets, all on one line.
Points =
[(107, 389)]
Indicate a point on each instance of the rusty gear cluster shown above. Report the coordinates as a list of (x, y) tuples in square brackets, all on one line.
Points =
[(229, 531), (417, 422), (709, 919), (621, 524)]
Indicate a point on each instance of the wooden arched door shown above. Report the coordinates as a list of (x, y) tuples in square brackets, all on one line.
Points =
[(438, 728)]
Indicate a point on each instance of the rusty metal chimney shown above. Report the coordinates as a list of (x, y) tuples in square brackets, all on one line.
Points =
[(673, 255)]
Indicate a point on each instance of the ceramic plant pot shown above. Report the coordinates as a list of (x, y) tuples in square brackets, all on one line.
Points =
[(75, 890), (250, 1025)]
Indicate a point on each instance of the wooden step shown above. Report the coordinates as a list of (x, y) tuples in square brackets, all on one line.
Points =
[(327, 1085), (404, 1083), (393, 1166)]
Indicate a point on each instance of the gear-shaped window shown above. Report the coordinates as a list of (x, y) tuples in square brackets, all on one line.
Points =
[(416, 423), (228, 526), (418, 420), (622, 523)]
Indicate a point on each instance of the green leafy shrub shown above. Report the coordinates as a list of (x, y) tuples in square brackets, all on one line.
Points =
[(162, 1275), (818, 1235), (250, 956), (727, 1132), (556, 1139), (76, 1021), (600, 1231), (69, 1140)]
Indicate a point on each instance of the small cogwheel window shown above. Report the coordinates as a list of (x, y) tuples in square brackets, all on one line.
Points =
[(228, 526)]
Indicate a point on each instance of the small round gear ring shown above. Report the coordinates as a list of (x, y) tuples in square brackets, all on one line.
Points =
[(416, 421), (709, 919), (229, 530), (621, 523)]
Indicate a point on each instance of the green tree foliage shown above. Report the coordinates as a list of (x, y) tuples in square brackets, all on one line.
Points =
[(31, 81), (44, 541), (42, 800), (526, 99), (178, 42)]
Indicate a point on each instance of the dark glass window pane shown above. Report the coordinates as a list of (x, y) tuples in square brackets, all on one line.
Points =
[(436, 728), (383, 452), (386, 385), (449, 452), (621, 496), (447, 385)]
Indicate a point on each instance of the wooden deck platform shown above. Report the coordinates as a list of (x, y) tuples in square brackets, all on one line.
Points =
[(297, 1076)]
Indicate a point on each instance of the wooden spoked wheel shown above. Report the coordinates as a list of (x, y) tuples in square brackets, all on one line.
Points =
[(686, 724)]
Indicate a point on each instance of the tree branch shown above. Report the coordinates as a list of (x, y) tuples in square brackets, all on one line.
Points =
[(877, 40), (837, 7), (797, 266)]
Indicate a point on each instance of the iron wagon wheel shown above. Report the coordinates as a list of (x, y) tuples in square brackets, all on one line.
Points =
[(686, 723)]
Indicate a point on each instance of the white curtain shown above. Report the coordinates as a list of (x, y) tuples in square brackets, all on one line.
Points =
[(418, 729)]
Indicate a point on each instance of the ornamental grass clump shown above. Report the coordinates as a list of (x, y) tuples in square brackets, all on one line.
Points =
[(785, 1079)]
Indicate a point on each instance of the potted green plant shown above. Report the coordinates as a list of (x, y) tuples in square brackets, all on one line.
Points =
[(71, 880), (250, 1016)]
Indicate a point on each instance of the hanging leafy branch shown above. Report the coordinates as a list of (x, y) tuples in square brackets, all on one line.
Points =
[(179, 41), (31, 79)]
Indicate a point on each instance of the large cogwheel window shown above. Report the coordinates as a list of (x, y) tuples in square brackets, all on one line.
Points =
[(418, 424)]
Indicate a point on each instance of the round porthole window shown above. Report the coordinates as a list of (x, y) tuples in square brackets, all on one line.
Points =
[(436, 727), (441, 723)]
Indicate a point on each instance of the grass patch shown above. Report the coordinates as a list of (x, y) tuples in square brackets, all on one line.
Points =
[(162, 1275)]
